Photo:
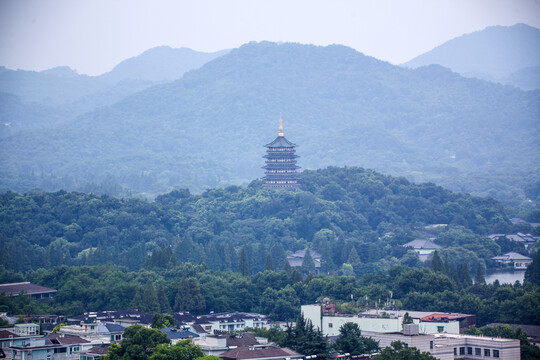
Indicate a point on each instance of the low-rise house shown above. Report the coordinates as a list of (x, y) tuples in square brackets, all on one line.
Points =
[(218, 344), (525, 239), (95, 353), (94, 332), (230, 322), (45, 319), (50, 348), (178, 334), (518, 261), (423, 248), (386, 321), (37, 292), (296, 259), (272, 353), (7, 339)]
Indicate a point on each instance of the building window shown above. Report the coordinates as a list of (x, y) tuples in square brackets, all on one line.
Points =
[(496, 353), (461, 351), (406, 345), (330, 325), (477, 351), (431, 344), (440, 328), (487, 353), (469, 351), (455, 351)]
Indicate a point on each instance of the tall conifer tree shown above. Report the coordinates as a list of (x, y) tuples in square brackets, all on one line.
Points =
[(269, 265), (243, 263), (308, 266)]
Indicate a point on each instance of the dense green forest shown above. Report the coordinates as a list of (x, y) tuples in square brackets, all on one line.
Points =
[(351, 216), (342, 107), (225, 249), (197, 289)]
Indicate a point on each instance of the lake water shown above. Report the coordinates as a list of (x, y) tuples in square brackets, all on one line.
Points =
[(505, 277)]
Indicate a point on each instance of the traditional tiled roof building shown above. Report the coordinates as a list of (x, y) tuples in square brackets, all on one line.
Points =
[(281, 163)]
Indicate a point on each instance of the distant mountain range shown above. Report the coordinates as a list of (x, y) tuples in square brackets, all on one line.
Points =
[(342, 107), (506, 54), (67, 94), (161, 64)]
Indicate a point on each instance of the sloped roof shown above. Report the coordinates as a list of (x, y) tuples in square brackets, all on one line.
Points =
[(4, 334), (279, 142), (512, 256), (301, 253), (14, 289), (115, 327), (245, 339), (67, 340), (421, 244), (173, 333), (198, 328), (100, 349), (246, 353)]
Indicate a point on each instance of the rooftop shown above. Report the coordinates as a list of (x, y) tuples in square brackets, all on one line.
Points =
[(421, 244), (14, 289), (280, 141), (247, 353), (512, 256)]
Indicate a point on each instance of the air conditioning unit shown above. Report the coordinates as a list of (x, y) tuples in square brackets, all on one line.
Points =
[(411, 329)]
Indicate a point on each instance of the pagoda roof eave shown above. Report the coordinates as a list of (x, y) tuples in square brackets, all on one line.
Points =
[(280, 141)]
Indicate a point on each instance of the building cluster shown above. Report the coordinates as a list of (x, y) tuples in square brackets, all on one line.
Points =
[(432, 332), (88, 336)]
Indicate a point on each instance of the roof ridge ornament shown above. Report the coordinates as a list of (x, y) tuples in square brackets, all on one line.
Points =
[(280, 133)]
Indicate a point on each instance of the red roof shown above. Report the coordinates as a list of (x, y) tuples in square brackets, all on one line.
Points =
[(442, 317)]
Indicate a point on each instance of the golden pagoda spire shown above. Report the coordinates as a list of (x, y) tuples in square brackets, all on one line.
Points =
[(280, 133)]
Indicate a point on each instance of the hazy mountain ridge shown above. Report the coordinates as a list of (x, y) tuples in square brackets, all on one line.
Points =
[(160, 64), (526, 78), (68, 94), (340, 106), (492, 54)]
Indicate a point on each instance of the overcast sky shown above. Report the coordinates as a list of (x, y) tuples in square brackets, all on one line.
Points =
[(92, 36)]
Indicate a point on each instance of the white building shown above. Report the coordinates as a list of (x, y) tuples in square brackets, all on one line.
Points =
[(230, 322), (385, 321)]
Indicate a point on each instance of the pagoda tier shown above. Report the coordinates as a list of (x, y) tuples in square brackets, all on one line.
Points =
[(281, 163)]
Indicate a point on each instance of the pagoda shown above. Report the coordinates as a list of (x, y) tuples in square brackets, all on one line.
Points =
[(281, 163)]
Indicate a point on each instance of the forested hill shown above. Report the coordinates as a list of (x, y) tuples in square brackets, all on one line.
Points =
[(343, 108), (350, 215)]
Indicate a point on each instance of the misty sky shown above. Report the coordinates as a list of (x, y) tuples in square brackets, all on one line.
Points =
[(92, 36)]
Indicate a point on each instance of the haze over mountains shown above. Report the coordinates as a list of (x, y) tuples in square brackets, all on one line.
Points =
[(207, 128), (64, 94), (505, 54)]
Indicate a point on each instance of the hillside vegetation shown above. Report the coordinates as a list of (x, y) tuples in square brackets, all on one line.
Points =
[(343, 108), (351, 216)]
